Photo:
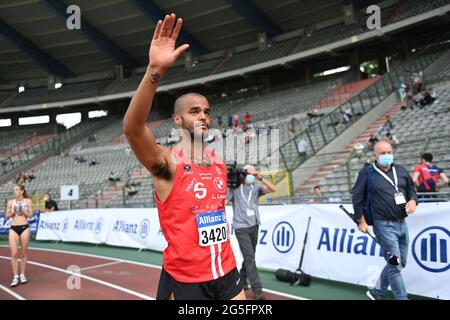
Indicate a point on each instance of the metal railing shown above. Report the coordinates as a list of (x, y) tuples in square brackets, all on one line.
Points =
[(54, 144)]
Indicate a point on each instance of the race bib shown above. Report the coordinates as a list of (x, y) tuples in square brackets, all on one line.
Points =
[(212, 228)]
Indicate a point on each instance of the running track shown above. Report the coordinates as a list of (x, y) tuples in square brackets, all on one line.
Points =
[(100, 278)]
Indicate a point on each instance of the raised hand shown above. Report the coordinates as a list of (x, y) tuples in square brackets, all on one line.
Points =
[(162, 53)]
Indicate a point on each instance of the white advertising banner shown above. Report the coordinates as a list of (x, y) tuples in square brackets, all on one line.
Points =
[(75, 226), (136, 228), (335, 249)]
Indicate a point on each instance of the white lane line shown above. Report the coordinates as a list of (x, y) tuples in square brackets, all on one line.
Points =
[(93, 256), (149, 265), (15, 295), (105, 283), (101, 265), (287, 295)]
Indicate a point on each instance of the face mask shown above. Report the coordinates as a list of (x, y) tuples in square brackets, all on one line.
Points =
[(250, 179), (386, 160)]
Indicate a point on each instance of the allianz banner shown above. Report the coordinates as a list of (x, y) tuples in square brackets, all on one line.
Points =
[(86, 225), (33, 223), (335, 249)]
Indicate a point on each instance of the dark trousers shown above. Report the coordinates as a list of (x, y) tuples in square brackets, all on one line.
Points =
[(248, 238)]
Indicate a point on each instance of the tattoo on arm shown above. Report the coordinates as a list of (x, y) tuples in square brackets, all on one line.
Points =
[(155, 77)]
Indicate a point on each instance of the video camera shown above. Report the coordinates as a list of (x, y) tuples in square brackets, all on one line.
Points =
[(236, 175)]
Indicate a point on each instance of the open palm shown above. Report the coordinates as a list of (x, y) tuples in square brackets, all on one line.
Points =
[(162, 53)]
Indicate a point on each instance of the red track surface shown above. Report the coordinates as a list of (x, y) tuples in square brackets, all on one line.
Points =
[(101, 278)]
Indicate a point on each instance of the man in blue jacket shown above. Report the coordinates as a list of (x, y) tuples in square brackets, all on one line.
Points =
[(384, 194)]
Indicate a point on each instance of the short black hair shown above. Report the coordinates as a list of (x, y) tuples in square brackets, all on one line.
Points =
[(428, 157), (316, 187)]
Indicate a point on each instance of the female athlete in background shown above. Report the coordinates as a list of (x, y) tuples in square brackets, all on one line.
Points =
[(19, 209)]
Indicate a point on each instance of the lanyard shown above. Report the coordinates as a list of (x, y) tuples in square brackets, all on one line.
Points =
[(395, 183), (249, 195)]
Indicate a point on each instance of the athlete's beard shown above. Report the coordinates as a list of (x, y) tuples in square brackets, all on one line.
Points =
[(196, 137)]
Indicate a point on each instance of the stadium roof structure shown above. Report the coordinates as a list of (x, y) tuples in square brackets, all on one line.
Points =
[(35, 41)]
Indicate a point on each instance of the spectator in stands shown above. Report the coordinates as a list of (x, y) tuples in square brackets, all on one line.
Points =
[(402, 90), (301, 146), (219, 121), (311, 128), (21, 179), (49, 204), (372, 141), (389, 125), (347, 115), (173, 137), (317, 195), (313, 112), (426, 175), (235, 121), (430, 96), (410, 102), (226, 132), (93, 162), (392, 140), (358, 149), (425, 99), (79, 159), (246, 221), (417, 82), (248, 118), (130, 189), (92, 138), (113, 177), (291, 126), (230, 121), (433, 94), (31, 176)]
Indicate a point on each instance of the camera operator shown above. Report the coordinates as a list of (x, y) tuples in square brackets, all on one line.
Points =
[(246, 221)]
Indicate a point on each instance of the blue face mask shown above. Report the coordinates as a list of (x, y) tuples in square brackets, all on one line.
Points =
[(250, 179), (386, 160)]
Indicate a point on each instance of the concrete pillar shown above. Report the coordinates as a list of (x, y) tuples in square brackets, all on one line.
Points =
[(84, 115), (15, 121), (355, 63), (308, 75), (405, 48)]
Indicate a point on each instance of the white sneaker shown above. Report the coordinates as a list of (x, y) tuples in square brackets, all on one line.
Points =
[(23, 279), (15, 282)]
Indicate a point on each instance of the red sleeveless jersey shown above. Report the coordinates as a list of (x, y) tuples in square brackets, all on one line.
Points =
[(193, 222)]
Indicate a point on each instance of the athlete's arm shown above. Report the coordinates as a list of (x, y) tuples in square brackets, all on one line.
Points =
[(162, 55), (29, 214), (9, 212), (416, 179)]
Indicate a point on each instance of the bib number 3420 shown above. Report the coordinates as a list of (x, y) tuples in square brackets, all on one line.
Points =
[(212, 228)]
